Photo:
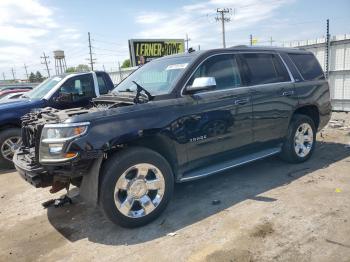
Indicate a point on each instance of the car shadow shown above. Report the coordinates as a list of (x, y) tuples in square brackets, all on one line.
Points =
[(194, 201)]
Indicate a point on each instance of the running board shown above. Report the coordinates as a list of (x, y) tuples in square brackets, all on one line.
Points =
[(207, 171)]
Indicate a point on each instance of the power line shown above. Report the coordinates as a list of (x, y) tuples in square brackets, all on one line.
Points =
[(46, 63), (221, 17)]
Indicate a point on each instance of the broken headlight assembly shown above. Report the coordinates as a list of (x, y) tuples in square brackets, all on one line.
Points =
[(55, 140)]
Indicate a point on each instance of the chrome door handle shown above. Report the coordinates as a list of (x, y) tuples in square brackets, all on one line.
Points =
[(241, 101), (288, 93)]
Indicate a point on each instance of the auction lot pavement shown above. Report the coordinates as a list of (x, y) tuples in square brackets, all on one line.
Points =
[(268, 210)]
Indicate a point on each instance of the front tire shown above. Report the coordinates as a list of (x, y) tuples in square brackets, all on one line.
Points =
[(10, 140), (301, 139), (136, 186)]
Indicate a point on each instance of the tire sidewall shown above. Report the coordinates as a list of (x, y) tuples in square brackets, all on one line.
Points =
[(116, 166), (297, 121), (4, 135)]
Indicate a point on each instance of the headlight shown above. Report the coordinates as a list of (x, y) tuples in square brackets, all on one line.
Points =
[(55, 139)]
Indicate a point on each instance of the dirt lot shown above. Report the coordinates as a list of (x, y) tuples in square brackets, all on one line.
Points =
[(268, 211)]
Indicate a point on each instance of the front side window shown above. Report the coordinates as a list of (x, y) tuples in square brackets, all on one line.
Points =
[(223, 68), (308, 66), (79, 87), (264, 69)]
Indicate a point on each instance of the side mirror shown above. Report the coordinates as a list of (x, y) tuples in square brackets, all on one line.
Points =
[(201, 84)]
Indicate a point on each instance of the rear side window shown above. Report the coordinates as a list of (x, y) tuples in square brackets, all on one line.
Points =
[(265, 69), (102, 85), (308, 66)]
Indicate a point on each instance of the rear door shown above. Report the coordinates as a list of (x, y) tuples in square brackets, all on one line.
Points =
[(273, 96), (220, 119)]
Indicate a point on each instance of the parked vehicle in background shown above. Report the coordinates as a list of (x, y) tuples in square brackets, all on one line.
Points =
[(4, 91), (177, 119), (60, 92), (11, 96)]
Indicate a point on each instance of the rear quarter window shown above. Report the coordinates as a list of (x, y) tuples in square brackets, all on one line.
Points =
[(308, 66)]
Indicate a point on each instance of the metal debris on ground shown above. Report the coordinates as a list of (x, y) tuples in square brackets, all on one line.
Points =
[(172, 234)]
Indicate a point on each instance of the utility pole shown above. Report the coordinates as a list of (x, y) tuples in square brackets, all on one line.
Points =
[(91, 60), (221, 17), (104, 69), (187, 40), (199, 47), (271, 41), (46, 63), (13, 74), (120, 71), (25, 68), (328, 36), (251, 40), (3, 76)]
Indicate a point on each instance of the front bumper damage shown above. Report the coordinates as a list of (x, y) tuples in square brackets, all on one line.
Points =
[(58, 175)]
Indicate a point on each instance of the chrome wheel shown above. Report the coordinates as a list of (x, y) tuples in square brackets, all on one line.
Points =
[(9, 147), (303, 140), (139, 190)]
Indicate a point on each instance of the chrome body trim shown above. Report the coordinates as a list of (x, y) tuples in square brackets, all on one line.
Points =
[(184, 179)]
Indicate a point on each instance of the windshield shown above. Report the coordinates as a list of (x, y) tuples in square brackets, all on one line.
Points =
[(41, 90), (157, 76)]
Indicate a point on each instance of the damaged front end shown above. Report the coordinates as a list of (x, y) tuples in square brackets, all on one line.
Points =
[(51, 154), (44, 159)]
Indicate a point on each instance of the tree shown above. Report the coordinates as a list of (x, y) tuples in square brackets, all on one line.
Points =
[(32, 77), (126, 63), (82, 68), (70, 69), (38, 77), (78, 68)]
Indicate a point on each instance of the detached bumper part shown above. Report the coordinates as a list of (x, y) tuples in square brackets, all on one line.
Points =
[(38, 177)]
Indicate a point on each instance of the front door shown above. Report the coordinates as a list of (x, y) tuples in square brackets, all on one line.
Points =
[(76, 91), (273, 96), (219, 120)]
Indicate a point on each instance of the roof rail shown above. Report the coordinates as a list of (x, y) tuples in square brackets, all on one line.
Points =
[(240, 46)]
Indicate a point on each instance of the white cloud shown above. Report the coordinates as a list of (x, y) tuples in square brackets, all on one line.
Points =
[(198, 20), (150, 18), (28, 28)]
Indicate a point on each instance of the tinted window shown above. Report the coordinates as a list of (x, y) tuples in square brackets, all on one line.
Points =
[(265, 69), (79, 86), (223, 68), (102, 85), (308, 66)]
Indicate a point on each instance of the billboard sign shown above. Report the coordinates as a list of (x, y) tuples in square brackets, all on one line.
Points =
[(144, 50)]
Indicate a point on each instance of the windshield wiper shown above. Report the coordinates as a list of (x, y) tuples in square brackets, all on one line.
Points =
[(138, 93)]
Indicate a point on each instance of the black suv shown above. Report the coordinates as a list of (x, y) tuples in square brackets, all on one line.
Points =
[(176, 119)]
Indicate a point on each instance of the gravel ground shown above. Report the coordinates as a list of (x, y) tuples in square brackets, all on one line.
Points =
[(268, 210)]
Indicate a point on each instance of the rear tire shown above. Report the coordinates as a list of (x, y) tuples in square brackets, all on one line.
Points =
[(7, 146), (300, 141), (136, 186)]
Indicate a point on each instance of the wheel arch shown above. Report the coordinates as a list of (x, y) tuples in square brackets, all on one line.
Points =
[(311, 111)]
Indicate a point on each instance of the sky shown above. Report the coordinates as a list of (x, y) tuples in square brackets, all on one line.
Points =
[(28, 28)]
